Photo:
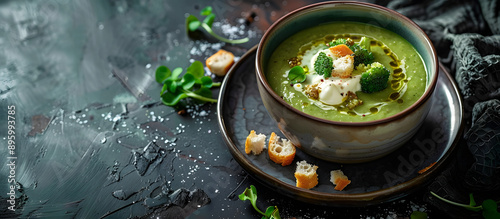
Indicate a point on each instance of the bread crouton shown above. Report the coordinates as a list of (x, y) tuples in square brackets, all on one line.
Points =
[(306, 175), (220, 62), (338, 179), (281, 152), (255, 143), (343, 67)]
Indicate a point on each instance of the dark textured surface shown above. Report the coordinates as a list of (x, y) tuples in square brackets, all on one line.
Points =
[(92, 139)]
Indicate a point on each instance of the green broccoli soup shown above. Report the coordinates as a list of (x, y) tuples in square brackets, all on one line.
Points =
[(347, 71)]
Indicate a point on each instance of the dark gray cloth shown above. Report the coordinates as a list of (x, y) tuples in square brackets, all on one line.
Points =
[(483, 140), (466, 35)]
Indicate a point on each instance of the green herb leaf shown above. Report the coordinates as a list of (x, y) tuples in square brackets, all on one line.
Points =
[(211, 32), (162, 73), (418, 215), (206, 11), (172, 99), (297, 75), (171, 84), (192, 23), (472, 208), (164, 88), (272, 213), (251, 195), (206, 81), (204, 92), (187, 81), (472, 202), (490, 209), (209, 20), (196, 69), (175, 73), (193, 84)]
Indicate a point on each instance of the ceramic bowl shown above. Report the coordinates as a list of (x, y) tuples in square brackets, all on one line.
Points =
[(346, 142)]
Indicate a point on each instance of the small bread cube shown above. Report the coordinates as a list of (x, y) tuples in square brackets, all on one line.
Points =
[(255, 143), (281, 152), (220, 62), (343, 67), (306, 175), (338, 179)]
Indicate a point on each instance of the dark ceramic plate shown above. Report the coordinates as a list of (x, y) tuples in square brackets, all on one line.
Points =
[(240, 110)]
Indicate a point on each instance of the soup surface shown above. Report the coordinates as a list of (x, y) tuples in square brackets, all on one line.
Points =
[(407, 80)]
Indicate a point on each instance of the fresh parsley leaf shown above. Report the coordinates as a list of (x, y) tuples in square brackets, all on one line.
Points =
[(472, 202), (489, 207), (192, 24), (175, 73), (204, 92), (196, 69), (209, 20), (206, 81), (206, 11), (193, 84), (251, 195), (172, 99), (169, 85), (187, 81), (162, 73), (297, 75), (272, 213)]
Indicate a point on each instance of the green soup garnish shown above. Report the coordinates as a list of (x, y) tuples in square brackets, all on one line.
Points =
[(317, 47)]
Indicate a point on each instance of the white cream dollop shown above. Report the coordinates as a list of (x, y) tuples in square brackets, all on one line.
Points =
[(333, 91)]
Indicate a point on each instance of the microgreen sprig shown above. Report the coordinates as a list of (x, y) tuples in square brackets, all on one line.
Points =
[(193, 84), (192, 24), (251, 195), (297, 75), (489, 207)]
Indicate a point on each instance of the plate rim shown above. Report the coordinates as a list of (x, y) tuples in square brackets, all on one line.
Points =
[(335, 199)]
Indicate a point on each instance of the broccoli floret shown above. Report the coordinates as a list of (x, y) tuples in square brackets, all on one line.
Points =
[(374, 79), (323, 65), (362, 55)]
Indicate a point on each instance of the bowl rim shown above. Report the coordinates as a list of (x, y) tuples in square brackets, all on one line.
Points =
[(425, 96)]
